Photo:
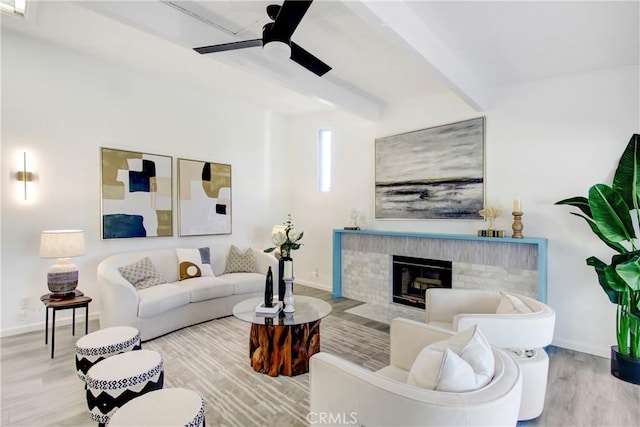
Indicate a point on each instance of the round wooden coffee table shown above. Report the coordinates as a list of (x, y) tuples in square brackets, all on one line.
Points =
[(283, 344)]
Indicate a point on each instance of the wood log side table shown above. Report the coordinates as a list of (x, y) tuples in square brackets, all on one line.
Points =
[(283, 344), (77, 300)]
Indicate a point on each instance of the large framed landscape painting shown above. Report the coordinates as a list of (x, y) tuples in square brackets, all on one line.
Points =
[(137, 199), (434, 173), (204, 194)]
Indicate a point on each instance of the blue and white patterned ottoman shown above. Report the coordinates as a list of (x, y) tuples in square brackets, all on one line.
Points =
[(121, 378), (98, 345), (166, 407)]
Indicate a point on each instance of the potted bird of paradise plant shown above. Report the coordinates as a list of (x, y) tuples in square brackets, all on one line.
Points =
[(608, 211)]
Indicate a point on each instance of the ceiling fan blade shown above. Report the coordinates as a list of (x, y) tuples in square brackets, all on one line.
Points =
[(228, 46), (290, 15), (308, 61)]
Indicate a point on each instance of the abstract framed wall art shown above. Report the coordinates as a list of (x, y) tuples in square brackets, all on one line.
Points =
[(137, 199), (434, 173), (204, 198)]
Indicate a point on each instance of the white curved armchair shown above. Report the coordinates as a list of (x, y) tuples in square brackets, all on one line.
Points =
[(342, 392), (524, 333)]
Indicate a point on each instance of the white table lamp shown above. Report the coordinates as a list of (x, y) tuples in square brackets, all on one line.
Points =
[(62, 277)]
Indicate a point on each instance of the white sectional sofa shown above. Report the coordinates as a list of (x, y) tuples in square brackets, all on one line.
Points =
[(166, 307)]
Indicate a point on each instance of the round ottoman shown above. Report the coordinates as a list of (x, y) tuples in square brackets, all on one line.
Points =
[(98, 345), (166, 407), (121, 378)]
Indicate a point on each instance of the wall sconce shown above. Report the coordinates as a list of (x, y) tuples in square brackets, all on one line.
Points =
[(24, 175)]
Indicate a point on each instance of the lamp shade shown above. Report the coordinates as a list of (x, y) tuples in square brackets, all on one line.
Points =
[(61, 243)]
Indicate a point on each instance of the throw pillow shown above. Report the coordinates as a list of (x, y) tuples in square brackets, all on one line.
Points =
[(142, 274), (194, 263), (240, 262), (432, 371), (510, 304)]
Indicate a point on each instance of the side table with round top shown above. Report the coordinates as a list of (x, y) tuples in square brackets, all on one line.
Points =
[(76, 300), (283, 344)]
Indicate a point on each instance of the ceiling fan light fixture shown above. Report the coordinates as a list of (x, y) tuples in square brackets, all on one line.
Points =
[(276, 50)]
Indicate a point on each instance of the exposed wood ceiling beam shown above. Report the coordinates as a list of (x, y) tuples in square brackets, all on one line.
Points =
[(400, 20)]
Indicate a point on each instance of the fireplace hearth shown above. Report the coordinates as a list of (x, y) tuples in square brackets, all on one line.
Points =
[(411, 277)]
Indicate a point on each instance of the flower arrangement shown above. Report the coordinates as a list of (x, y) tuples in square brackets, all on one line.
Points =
[(287, 241), (490, 213)]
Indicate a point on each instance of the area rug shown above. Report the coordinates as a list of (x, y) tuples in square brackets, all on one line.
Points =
[(212, 358)]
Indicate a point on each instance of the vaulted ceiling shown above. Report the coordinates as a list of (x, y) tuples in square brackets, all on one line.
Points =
[(380, 51)]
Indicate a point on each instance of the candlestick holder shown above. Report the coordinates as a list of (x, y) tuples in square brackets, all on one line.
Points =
[(517, 225), (288, 295)]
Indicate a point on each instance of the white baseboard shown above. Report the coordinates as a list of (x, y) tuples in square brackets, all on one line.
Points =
[(576, 346), (314, 285), (39, 326)]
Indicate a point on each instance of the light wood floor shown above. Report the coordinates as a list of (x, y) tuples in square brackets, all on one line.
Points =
[(580, 392)]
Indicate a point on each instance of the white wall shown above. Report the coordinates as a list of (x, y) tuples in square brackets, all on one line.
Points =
[(61, 107), (545, 141)]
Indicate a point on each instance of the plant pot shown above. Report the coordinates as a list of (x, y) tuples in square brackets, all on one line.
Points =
[(624, 367)]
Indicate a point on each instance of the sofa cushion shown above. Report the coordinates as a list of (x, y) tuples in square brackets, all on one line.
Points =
[(204, 288), (240, 261), (247, 283), (194, 263), (472, 362), (510, 304), (142, 274), (162, 298)]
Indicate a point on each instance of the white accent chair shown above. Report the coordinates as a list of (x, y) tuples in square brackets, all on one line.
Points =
[(523, 334), (342, 392)]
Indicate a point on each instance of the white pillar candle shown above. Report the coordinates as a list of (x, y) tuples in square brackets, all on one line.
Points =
[(288, 269), (517, 205)]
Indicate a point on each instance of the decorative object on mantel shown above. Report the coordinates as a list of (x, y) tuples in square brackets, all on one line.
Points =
[(354, 220), (490, 213), (419, 175), (607, 210), (517, 226), (287, 241), (62, 277)]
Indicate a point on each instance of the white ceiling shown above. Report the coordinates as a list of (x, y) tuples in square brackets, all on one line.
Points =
[(380, 51)]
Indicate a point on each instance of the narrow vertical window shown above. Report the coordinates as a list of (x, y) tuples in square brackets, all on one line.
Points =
[(324, 160)]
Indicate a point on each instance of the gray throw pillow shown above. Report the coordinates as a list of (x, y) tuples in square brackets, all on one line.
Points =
[(240, 262), (142, 274)]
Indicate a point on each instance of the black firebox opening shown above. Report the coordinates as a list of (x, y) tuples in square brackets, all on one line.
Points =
[(413, 276)]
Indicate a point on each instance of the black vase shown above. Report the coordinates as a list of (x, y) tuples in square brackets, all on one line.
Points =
[(624, 367), (281, 276), (268, 289)]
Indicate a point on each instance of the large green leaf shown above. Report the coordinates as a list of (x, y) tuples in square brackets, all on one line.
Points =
[(611, 214), (626, 180), (603, 280), (629, 271), (613, 245), (579, 202)]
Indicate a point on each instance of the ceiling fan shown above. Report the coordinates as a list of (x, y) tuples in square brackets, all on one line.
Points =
[(276, 37)]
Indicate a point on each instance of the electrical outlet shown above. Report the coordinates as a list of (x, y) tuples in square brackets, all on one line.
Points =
[(24, 303), (315, 273)]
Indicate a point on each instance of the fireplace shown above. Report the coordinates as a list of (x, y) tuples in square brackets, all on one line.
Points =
[(413, 276)]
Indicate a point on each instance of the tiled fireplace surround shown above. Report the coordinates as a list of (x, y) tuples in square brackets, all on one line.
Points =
[(362, 262)]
